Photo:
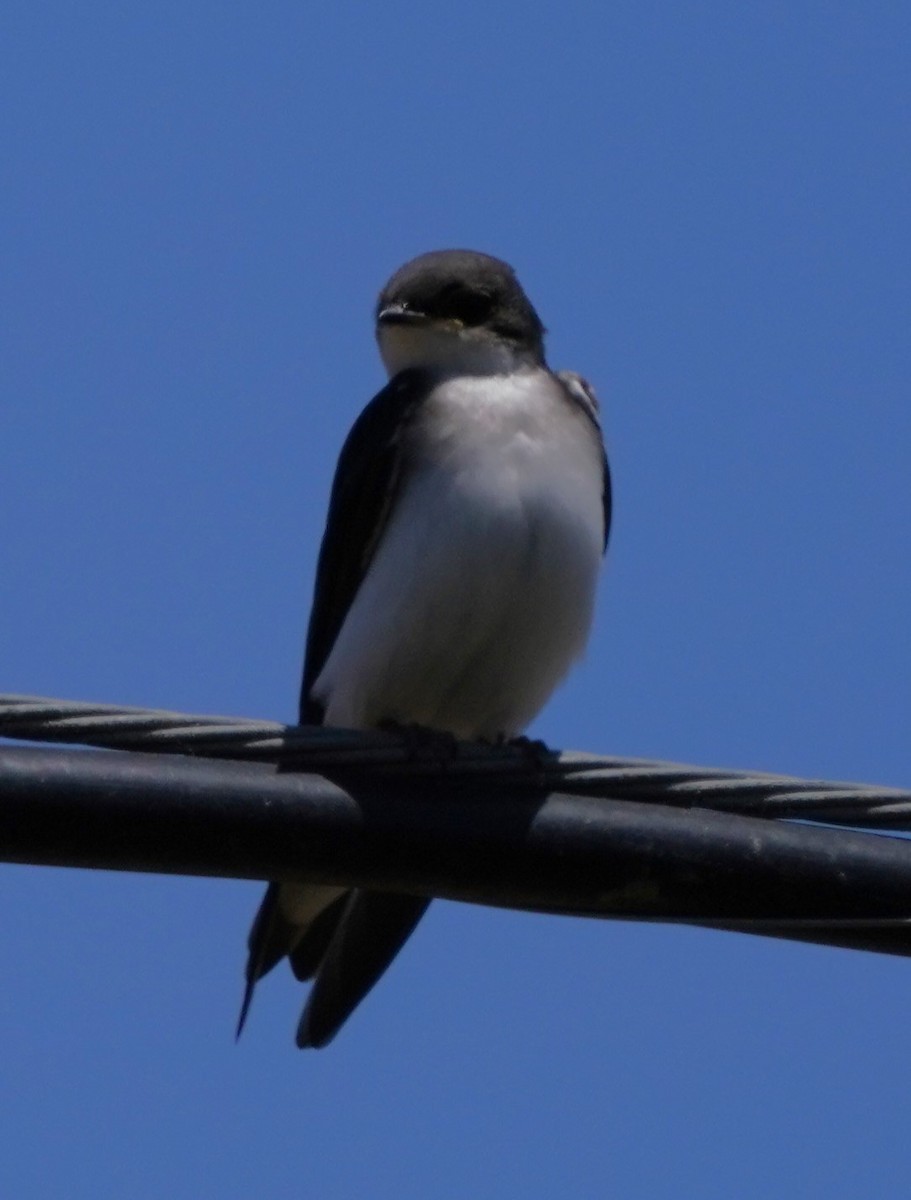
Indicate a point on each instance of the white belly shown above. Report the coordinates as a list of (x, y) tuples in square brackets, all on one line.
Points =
[(481, 592)]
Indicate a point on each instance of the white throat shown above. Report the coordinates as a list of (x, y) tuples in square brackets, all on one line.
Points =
[(447, 351)]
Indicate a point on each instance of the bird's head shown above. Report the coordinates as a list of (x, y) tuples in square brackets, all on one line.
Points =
[(460, 311)]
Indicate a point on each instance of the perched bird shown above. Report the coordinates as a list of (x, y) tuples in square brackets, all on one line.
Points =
[(456, 578)]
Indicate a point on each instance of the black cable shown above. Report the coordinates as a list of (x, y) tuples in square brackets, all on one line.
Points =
[(512, 826)]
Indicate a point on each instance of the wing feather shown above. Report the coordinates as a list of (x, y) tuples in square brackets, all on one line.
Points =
[(370, 472), (581, 393)]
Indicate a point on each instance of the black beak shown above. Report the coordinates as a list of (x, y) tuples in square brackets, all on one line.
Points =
[(397, 314)]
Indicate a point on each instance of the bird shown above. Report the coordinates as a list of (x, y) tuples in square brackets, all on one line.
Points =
[(456, 579)]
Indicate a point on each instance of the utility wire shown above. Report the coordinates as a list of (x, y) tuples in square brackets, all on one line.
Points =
[(389, 756), (512, 826)]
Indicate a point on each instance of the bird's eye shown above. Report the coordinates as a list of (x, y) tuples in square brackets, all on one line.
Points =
[(472, 308)]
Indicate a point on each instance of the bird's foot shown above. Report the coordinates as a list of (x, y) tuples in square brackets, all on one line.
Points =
[(423, 744), (536, 753)]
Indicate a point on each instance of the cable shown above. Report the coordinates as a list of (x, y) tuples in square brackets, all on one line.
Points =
[(516, 826), (388, 756)]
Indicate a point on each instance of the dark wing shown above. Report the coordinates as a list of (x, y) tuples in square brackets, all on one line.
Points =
[(367, 479), (331, 949), (582, 394)]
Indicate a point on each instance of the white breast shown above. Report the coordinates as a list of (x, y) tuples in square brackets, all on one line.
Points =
[(481, 592)]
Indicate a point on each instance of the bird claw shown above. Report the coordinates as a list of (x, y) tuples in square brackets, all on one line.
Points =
[(423, 744), (535, 752)]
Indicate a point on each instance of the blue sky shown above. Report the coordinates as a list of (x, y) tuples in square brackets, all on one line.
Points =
[(708, 204)]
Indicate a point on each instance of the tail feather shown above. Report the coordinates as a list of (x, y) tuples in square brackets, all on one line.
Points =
[(371, 930), (310, 950), (272, 936), (344, 948)]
